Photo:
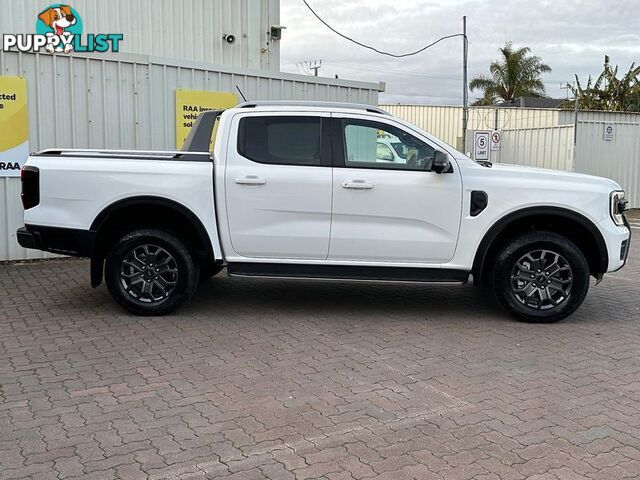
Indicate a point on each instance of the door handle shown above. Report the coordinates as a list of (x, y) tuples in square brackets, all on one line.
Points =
[(250, 180), (357, 184)]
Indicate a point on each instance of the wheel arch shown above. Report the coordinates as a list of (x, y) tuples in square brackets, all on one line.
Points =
[(571, 224), (164, 212)]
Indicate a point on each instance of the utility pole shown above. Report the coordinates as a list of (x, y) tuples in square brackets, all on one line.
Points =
[(575, 129), (465, 95)]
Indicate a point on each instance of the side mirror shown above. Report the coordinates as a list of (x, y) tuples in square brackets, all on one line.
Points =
[(440, 162)]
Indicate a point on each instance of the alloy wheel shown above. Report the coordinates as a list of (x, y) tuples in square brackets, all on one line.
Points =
[(149, 273), (541, 279)]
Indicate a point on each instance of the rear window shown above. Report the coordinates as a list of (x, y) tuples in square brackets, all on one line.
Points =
[(280, 140)]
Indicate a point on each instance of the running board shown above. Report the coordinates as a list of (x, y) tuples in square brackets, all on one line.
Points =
[(340, 272)]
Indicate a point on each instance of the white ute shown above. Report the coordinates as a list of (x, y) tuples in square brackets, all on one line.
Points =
[(296, 189)]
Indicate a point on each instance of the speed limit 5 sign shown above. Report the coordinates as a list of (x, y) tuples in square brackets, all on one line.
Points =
[(481, 144)]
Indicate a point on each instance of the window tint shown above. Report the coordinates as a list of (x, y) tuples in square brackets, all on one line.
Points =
[(280, 140), (376, 145)]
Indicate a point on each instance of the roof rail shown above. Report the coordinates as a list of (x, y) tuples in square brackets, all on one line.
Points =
[(313, 103)]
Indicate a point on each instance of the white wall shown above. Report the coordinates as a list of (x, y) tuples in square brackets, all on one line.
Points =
[(445, 122), (618, 159), (179, 29), (543, 147), (128, 101)]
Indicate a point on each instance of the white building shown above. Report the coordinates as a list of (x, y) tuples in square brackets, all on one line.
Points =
[(128, 99), (191, 30)]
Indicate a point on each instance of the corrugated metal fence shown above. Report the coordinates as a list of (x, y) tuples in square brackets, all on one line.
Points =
[(185, 29), (545, 138), (128, 101), (545, 147), (445, 122), (552, 147), (618, 158)]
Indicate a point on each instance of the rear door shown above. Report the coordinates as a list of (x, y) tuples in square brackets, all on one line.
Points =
[(390, 209), (278, 185)]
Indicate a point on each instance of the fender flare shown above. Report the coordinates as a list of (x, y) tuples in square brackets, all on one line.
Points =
[(97, 263), (498, 227)]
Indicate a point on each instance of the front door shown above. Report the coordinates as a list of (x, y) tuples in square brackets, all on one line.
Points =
[(278, 186), (387, 205)]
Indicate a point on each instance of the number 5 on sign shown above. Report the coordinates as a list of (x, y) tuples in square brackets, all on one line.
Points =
[(481, 145)]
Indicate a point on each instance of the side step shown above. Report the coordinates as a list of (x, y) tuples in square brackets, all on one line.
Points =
[(340, 272)]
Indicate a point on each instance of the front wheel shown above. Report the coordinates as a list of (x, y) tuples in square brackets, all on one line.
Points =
[(150, 272), (541, 277)]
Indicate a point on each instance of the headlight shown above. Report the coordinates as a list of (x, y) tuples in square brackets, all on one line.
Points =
[(617, 207)]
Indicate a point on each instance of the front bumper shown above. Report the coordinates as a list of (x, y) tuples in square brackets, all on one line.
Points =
[(626, 244), (618, 239), (65, 241)]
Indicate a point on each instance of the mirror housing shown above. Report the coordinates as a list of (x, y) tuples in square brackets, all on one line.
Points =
[(440, 162)]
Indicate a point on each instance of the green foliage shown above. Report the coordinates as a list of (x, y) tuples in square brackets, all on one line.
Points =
[(608, 92), (516, 74)]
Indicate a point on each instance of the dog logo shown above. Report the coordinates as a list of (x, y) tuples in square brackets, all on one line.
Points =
[(61, 21), (59, 30)]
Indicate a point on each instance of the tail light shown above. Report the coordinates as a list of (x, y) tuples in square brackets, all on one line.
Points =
[(30, 179)]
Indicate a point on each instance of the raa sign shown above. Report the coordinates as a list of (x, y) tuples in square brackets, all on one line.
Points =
[(14, 125)]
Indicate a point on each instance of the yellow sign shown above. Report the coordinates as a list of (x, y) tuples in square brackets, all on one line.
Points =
[(14, 125), (190, 103)]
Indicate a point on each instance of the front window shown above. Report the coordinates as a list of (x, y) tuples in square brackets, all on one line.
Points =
[(371, 144)]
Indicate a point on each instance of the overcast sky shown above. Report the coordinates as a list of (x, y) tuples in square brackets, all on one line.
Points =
[(571, 36)]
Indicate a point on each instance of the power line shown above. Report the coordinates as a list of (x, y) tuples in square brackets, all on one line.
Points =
[(354, 66), (381, 52), (403, 94)]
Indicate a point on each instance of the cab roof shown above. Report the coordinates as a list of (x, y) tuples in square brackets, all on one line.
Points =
[(311, 106)]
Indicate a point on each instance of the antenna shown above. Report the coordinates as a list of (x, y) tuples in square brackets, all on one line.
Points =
[(241, 94), (309, 65), (315, 66), (566, 86)]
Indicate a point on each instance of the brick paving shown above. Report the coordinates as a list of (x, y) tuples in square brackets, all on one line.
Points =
[(277, 379)]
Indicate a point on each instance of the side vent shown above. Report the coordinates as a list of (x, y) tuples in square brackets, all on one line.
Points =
[(479, 201)]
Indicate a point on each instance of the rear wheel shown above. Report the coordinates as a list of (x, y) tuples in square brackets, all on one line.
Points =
[(151, 272), (541, 277)]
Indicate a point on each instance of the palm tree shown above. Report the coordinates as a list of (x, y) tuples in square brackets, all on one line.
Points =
[(516, 74)]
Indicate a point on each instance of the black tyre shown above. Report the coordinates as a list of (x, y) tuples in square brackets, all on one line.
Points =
[(151, 272), (541, 277)]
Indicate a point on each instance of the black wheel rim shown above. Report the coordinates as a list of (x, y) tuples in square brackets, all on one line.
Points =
[(149, 273), (541, 279)]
